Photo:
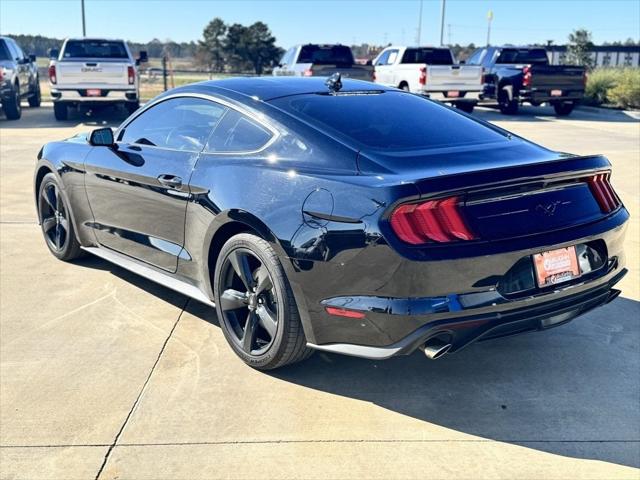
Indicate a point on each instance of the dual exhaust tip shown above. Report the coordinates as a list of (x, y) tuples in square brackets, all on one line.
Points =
[(435, 347)]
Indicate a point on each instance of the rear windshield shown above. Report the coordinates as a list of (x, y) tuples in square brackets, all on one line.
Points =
[(94, 49), (430, 56), (513, 55), (388, 120), (326, 55), (4, 51)]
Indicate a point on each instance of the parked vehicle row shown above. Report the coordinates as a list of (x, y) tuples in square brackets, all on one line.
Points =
[(18, 79), (322, 60)]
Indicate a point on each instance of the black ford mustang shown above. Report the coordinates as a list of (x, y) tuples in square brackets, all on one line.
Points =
[(338, 216)]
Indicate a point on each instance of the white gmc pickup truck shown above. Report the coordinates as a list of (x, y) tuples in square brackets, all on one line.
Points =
[(92, 72), (432, 72)]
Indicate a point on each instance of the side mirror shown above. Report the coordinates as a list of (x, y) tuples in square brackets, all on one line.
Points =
[(32, 58), (54, 53), (142, 57), (102, 137)]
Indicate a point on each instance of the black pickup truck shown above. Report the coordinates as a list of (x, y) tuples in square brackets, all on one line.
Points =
[(514, 75)]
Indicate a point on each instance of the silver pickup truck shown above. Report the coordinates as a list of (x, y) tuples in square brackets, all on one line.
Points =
[(313, 60), (92, 72)]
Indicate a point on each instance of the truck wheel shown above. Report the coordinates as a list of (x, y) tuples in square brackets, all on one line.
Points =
[(60, 111), (563, 109), (466, 107), (404, 86), (507, 107), (11, 105), (36, 97)]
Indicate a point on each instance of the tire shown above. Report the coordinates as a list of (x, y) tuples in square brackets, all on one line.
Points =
[(259, 299), (11, 105), (56, 220), (507, 107), (466, 107), (60, 111), (36, 97), (132, 107), (563, 109), (404, 86)]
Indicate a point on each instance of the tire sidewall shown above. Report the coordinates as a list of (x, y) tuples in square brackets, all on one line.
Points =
[(268, 258), (68, 250)]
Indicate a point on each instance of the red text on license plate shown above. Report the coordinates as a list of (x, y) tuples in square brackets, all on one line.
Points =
[(453, 93)]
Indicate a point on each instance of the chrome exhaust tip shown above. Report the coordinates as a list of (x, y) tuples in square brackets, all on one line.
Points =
[(435, 348)]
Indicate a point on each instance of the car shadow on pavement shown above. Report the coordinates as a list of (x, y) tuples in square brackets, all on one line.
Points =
[(528, 113), (571, 390)]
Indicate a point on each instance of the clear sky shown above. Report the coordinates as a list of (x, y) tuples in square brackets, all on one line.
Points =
[(330, 21)]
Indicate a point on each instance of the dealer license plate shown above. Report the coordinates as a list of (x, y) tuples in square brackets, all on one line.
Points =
[(556, 266), (556, 93), (94, 92), (453, 93)]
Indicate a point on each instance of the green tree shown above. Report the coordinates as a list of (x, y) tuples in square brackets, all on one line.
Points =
[(251, 47), (579, 48), (212, 46)]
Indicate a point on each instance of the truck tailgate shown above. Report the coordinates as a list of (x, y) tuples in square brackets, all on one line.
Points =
[(547, 77), (358, 72), (453, 77), (92, 72)]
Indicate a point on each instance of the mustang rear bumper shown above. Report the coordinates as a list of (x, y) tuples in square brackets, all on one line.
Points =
[(402, 303)]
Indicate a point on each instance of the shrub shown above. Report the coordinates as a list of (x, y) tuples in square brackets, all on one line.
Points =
[(617, 86), (626, 93), (599, 82)]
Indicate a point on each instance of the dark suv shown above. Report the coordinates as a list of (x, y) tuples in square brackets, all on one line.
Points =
[(18, 79)]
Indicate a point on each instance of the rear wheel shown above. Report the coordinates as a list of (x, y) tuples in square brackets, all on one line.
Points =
[(257, 311), (36, 97), (563, 109), (55, 220), (11, 104), (60, 111), (507, 106), (465, 106), (404, 86)]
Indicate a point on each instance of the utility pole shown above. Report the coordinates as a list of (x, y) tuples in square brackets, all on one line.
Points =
[(419, 34), (442, 10), (448, 34), (84, 28), (489, 19)]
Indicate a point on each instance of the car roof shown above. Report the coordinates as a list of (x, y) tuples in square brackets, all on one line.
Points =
[(269, 88)]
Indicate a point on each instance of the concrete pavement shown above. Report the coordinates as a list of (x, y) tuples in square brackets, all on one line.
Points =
[(106, 374)]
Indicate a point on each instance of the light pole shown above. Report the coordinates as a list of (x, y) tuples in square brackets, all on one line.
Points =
[(419, 34), (489, 19), (442, 9), (84, 28)]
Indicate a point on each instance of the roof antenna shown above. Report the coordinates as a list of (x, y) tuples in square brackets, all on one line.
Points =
[(334, 82)]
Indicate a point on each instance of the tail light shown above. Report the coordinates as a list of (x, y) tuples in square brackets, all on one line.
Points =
[(483, 79), (308, 72), (373, 76), (603, 192), (1, 74), (52, 74), (131, 73), (584, 78), (432, 221), (526, 79), (423, 76)]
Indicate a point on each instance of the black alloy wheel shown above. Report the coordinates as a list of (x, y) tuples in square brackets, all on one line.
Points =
[(248, 302), (55, 219), (256, 307)]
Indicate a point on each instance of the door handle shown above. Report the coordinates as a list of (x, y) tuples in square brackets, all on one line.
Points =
[(170, 181)]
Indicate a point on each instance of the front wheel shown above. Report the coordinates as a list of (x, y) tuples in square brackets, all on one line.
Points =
[(563, 109), (55, 220), (256, 308), (36, 97)]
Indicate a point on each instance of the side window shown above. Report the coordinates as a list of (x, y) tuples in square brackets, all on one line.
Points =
[(238, 133), (19, 52), (182, 123), (476, 57), (393, 54), (12, 50), (382, 59)]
